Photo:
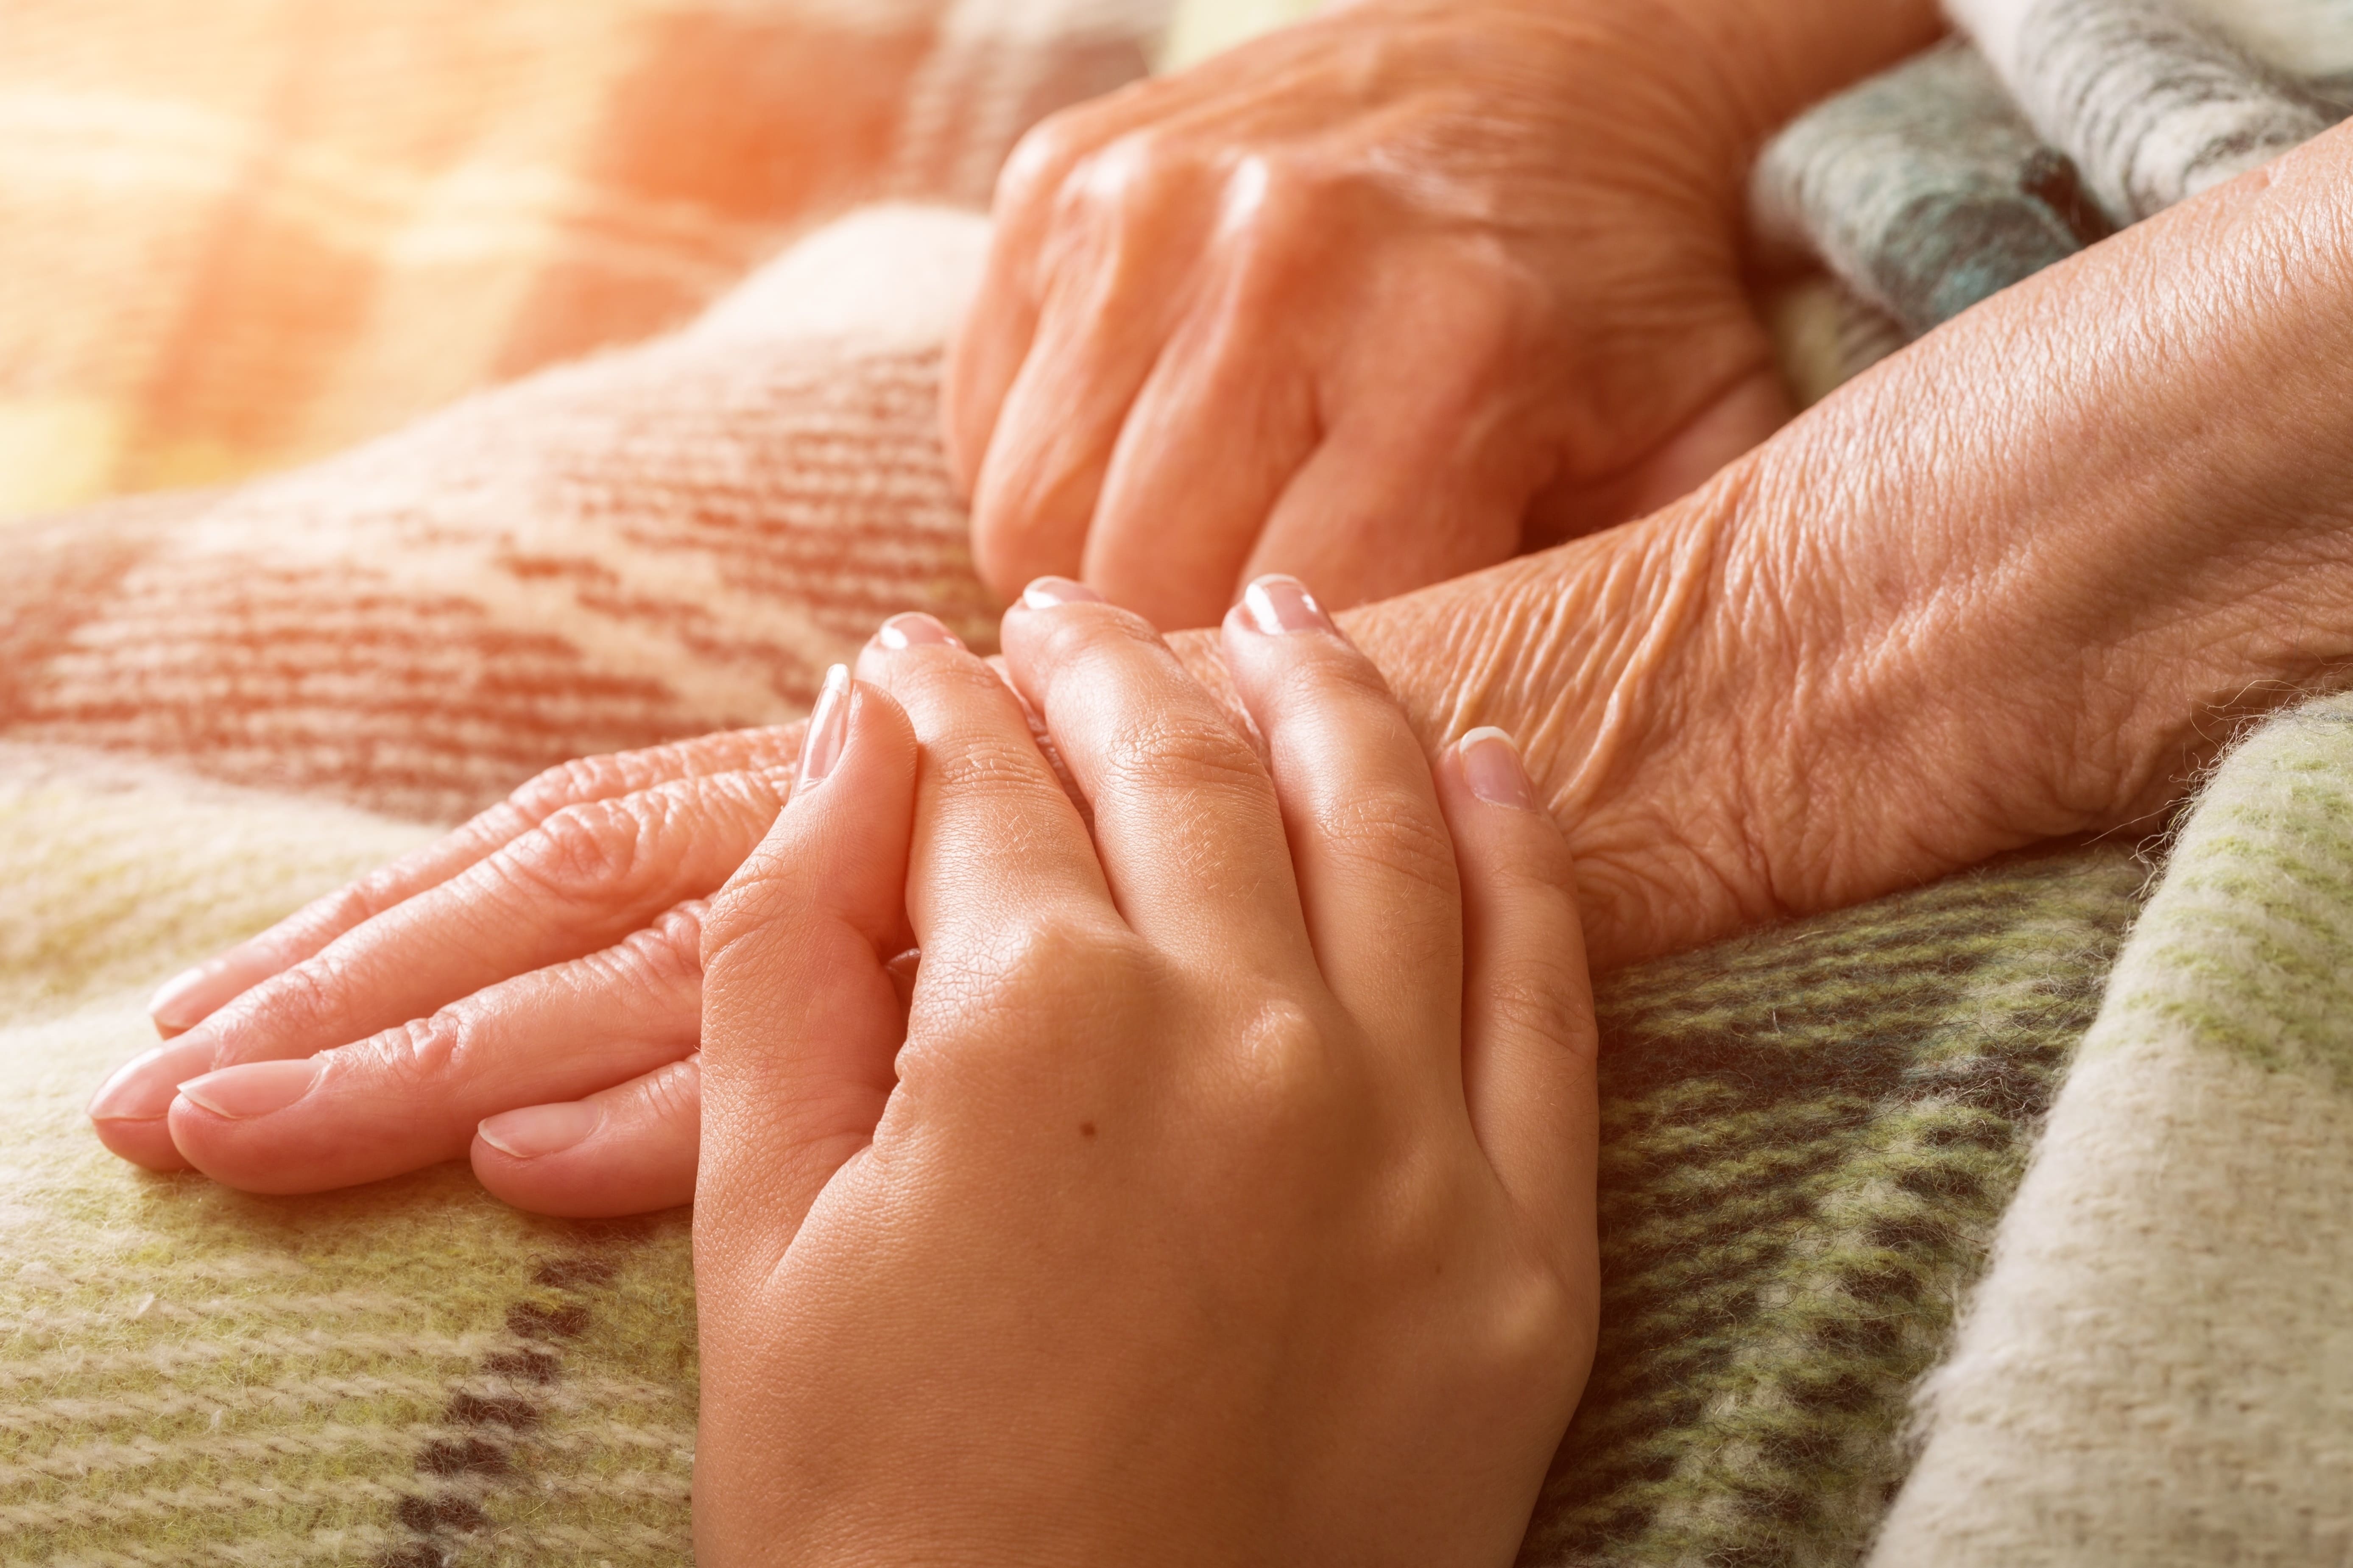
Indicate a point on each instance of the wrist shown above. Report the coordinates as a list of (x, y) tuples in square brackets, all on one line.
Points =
[(2034, 569), (1745, 70), (1694, 87)]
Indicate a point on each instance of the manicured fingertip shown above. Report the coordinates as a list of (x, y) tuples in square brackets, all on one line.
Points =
[(1052, 593), (537, 1130), (254, 1088), (915, 629), (1490, 761), (1280, 606), (828, 731)]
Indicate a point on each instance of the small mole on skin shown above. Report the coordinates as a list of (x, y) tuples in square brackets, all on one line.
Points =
[(1086, 1128)]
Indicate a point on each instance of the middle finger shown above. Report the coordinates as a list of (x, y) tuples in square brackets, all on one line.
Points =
[(1185, 815)]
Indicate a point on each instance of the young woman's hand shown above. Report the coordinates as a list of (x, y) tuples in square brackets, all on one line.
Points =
[(1350, 300), (1227, 1192)]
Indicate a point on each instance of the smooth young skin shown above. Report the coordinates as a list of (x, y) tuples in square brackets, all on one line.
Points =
[(1225, 1195), (2016, 582), (1361, 298)]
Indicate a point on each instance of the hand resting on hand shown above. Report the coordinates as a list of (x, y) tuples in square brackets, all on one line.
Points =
[(1227, 1192)]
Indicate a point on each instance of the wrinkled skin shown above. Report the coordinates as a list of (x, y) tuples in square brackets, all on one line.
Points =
[(1368, 298), (2014, 583), (1227, 1192)]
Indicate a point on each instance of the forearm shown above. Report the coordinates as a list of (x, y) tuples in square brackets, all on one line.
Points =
[(2009, 586), (2045, 558)]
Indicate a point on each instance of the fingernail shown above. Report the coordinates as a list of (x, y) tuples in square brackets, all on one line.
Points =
[(1048, 592), (828, 730), (913, 628), (191, 996), (257, 1089), (1279, 604), (1492, 767), (538, 1129), (140, 1089)]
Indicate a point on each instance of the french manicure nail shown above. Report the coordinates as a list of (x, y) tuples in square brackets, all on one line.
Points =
[(1492, 767), (828, 730), (539, 1130), (1276, 604), (1046, 593), (140, 1089), (915, 629), (256, 1088)]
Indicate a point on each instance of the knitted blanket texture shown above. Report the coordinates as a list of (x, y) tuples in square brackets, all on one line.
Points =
[(2007, 1220)]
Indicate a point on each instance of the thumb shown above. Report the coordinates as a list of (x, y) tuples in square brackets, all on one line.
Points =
[(801, 1021)]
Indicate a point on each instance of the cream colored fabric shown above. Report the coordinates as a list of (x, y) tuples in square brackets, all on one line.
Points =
[(1200, 28), (2159, 1368)]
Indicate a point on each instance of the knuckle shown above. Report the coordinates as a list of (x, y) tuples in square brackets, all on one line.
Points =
[(566, 783), (988, 763), (420, 1055), (1041, 159), (992, 982), (656, 961), (1539, 999), (1045, 954), (356, 903), (294, 1005), (1293, 1088), (1131, 182), (673, 1092), (1276, 213), (1532, 1322), (585, 850), (1393, 828), (1179, 752)]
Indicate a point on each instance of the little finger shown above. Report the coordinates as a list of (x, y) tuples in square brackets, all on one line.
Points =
[(1529, 1038), (629, 1149)]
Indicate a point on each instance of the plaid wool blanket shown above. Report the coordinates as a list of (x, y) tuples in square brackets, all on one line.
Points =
[(2002, 1221)]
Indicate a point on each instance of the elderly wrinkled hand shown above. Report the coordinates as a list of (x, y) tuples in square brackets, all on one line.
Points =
[(1348, 301)]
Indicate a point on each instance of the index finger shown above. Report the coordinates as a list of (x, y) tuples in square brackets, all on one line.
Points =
[(1185, 818), (1000, 849)]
